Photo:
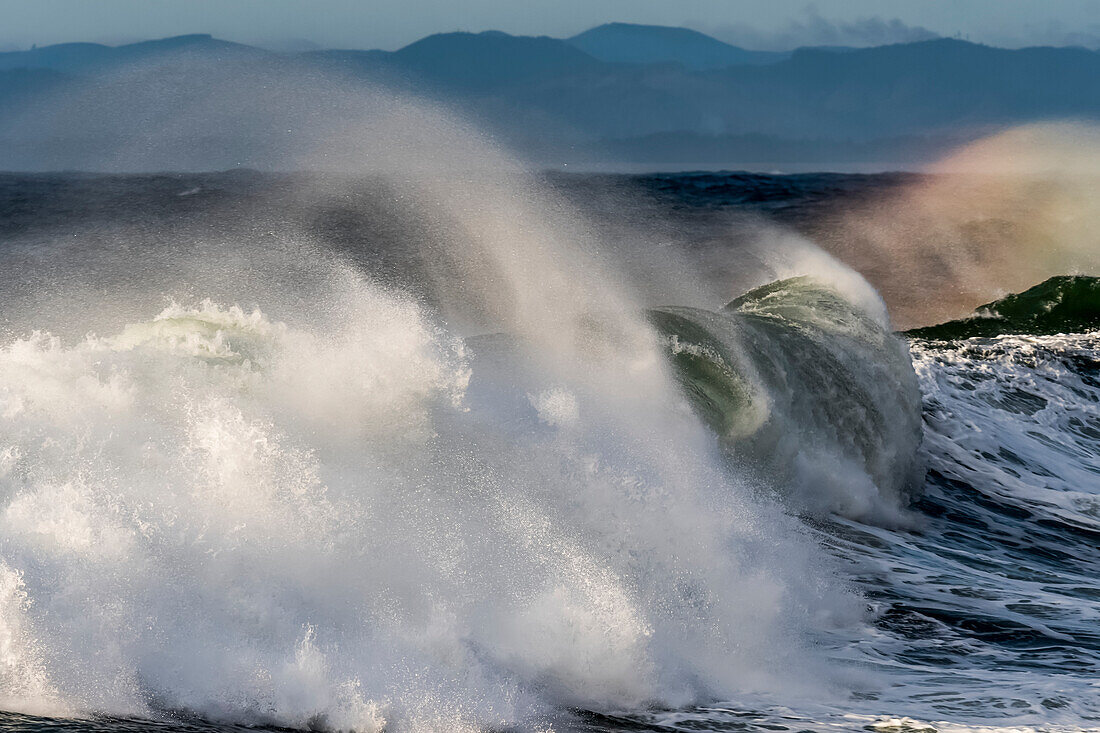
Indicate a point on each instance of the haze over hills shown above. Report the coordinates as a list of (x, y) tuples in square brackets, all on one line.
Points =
[(623, 94)]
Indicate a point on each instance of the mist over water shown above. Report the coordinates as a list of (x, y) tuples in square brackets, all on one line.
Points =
[(994, 217), (455, 473)]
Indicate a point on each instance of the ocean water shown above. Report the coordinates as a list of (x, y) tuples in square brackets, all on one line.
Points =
[(587, 453)]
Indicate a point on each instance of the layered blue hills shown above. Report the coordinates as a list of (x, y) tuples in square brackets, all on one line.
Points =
[(658, 96)]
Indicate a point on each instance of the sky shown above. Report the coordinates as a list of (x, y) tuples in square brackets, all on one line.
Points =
[(390, 24)]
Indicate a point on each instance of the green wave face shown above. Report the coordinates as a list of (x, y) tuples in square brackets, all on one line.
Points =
[(1062, 304), (707, 369), (803, 385)]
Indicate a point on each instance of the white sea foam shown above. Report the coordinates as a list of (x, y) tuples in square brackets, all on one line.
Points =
[(216, 511), (1018, 418)]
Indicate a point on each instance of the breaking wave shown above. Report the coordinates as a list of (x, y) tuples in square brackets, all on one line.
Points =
[(380, 524)]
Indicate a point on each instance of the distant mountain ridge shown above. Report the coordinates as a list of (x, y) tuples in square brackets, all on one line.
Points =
[(629, 43), (490, 58), (666, 96), (82, 58)]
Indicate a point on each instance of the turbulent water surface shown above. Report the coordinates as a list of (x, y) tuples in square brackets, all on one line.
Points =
[(405, 473)]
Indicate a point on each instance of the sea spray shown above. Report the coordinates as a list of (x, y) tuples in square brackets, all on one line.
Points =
[(995, 216), (473, 497)]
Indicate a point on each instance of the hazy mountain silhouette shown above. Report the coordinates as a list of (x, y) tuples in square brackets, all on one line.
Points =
[(629, 43), (462, 63), (84, 58), (669, 95), (919, 87), (484, 60)]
